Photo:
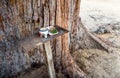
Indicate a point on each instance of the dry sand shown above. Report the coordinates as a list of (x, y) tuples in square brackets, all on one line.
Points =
[(95, 13)]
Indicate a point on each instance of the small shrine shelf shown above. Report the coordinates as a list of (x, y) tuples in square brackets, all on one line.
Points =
[(35, 40)]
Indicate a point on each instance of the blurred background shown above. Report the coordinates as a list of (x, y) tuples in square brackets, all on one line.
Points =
[(96, 13)]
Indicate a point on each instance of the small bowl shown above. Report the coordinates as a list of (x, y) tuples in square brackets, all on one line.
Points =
[(44, 31)]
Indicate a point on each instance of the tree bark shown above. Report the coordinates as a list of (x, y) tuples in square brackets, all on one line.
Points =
[(20, 18)]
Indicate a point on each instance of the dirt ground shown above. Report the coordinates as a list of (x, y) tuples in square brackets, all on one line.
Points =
[(98, 63)]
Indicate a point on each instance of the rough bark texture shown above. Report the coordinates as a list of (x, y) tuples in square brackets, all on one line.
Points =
[(21, 18)]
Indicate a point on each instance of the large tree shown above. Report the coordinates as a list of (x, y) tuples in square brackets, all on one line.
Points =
[(19, 19)]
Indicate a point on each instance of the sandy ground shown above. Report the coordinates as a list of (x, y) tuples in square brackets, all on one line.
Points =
[(95, 13), (102, 13)]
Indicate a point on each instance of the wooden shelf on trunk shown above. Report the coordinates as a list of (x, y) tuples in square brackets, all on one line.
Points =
[(35, 40)]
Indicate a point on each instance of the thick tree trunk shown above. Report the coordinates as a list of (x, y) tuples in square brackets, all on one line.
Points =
[(20, 18)]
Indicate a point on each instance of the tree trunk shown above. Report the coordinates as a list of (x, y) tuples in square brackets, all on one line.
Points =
[(20, 18)]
